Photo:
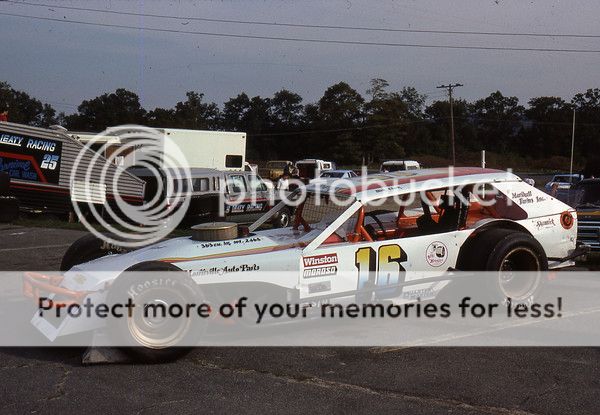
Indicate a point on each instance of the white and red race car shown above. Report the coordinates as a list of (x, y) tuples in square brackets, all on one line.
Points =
[(385, 229)]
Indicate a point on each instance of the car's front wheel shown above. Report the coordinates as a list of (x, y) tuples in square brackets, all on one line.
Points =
[(155, 331)]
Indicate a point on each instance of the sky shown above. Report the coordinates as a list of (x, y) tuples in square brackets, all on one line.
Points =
[(63, 63)]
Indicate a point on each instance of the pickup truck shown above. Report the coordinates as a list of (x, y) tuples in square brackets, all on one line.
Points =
[(586, 195)]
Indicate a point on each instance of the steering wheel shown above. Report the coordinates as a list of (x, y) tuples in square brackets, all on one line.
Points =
[(373, 215)]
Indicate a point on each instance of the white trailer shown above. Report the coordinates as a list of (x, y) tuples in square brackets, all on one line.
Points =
[(221, 150)]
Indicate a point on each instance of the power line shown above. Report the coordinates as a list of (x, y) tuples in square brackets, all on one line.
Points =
[(312, 26), (307, 40)]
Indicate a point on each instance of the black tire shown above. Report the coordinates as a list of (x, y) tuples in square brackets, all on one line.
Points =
[(9, 209), (85, 249), (283, 218), (507, 250), (135, 334), (4, 184)]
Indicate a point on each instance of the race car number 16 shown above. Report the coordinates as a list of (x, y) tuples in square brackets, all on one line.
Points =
[(381, 268)]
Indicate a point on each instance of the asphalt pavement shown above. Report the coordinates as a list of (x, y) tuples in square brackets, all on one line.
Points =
[(413, 380)]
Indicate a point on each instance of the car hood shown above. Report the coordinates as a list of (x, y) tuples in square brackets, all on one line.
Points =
[(188, 254)]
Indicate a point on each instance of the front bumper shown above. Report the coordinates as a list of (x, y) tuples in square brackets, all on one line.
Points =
[(36, 286)]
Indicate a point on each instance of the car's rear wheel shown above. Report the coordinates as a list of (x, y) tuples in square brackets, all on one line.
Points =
[(148, 334), (85, 249), (508, 253)]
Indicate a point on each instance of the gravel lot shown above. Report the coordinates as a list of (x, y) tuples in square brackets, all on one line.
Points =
[(294, 380)]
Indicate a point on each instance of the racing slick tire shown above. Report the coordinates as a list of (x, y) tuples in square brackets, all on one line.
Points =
[(148, 338), (9, 209), (507, 251), (84, 249), (283, 218)]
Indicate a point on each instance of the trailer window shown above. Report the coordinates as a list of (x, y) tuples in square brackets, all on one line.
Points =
[(233, 161)]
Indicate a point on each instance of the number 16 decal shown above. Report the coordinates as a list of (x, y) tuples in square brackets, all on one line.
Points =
[(381, 269)]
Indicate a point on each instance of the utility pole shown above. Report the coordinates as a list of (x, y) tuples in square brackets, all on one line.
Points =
[(450, 87), (572, 149)]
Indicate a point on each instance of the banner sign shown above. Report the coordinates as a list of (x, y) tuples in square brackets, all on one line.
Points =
[(30, 158)]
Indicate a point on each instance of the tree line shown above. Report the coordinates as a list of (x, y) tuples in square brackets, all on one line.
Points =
[(349, 127)]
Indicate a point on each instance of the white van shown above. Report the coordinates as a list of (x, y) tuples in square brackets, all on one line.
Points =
[(312, 168), (398, 165)]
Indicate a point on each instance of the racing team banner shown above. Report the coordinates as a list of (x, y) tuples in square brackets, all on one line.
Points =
[(164, 309), (29, 158)]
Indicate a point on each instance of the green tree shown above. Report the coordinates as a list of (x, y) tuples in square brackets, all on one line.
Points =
[(251, 115), (24, 109), (587, 108), (195, 114), (234, 112), (286, 110), (391, 128), (339, 115), (548, 130), (162, 117), (498, 120), (378, 89), (341, 106), (386, 130), (438, 113), (107, 110)]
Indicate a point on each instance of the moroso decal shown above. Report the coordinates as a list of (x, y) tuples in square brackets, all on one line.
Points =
[(320, 271), (319, 260), (29, 158)]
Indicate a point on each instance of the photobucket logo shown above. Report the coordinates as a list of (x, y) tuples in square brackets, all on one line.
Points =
[(106, 194)]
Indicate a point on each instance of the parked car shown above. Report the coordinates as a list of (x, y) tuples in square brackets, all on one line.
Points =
[(332, 175), (398, 165), (562, 181), (586, 195), (338, 250), (274, 169), (311, 168)]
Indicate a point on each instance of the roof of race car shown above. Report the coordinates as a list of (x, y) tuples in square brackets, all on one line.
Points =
[(375, 186)]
